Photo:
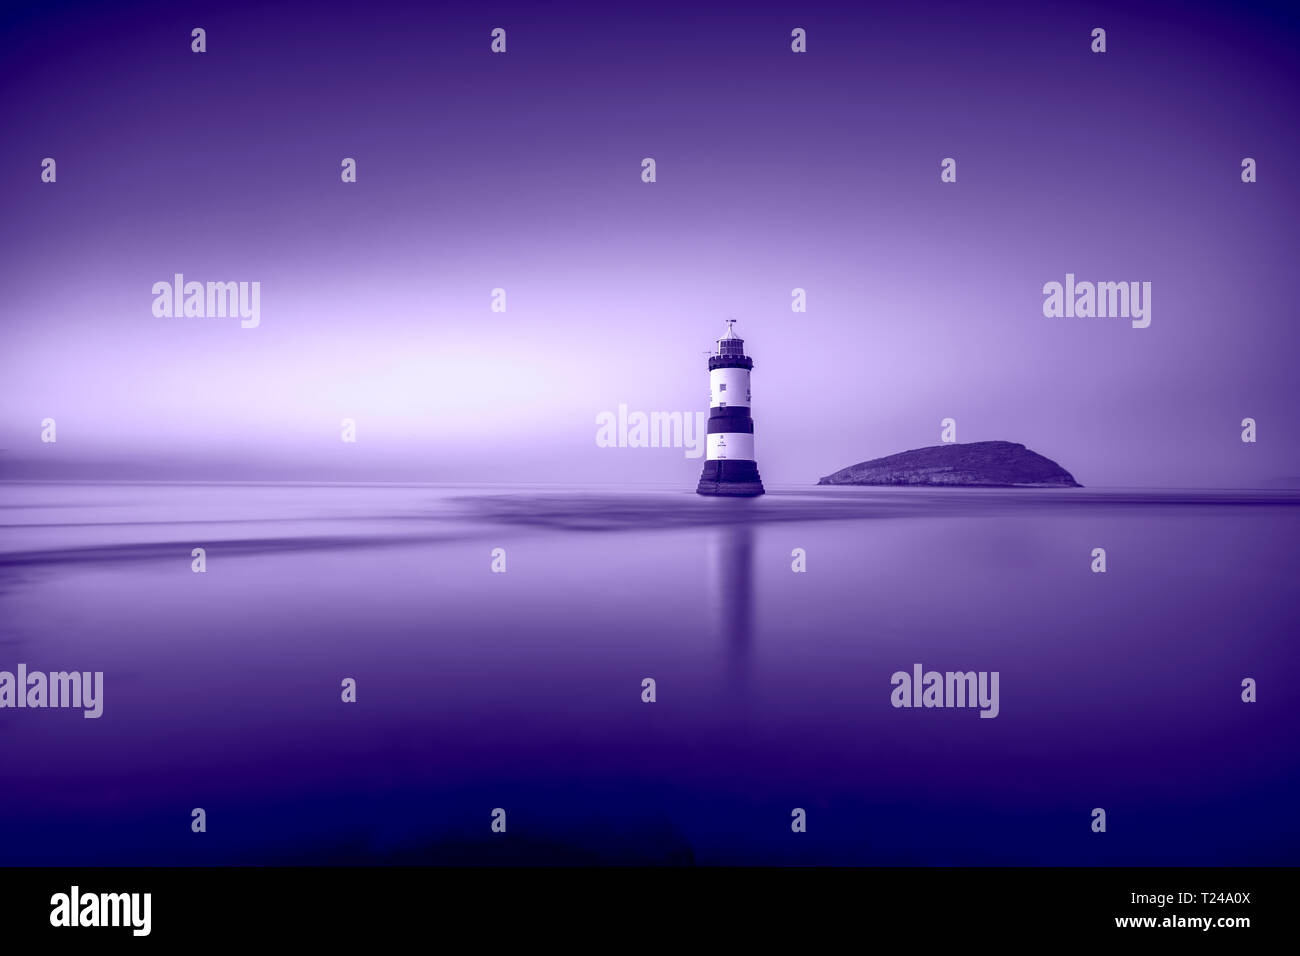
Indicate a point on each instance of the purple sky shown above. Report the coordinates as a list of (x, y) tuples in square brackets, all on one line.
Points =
[(522, 171)]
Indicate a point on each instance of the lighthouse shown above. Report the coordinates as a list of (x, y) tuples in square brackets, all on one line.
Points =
[(730, 468)]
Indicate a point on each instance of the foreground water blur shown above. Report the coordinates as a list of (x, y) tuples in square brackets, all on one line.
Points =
[(522, 690)]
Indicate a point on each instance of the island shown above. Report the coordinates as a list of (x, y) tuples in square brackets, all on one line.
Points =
[(986, 464)]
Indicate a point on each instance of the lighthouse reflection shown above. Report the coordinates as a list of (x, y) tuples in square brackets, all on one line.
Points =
[(731, 588)]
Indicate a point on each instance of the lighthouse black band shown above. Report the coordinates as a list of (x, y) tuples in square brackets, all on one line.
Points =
[(731, 469), (725, 424)]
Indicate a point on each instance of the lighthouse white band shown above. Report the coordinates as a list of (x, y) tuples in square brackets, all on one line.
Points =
[(737, 446), (729, 386)]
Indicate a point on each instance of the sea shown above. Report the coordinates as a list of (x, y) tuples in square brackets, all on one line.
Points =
[(498, 640)]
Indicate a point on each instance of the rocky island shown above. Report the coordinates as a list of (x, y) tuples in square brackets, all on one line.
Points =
[(988, 464)]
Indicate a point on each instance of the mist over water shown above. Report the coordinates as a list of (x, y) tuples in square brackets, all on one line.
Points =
[(521, 690)]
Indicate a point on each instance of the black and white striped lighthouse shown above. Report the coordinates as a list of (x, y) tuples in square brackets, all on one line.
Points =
[(730, 468)]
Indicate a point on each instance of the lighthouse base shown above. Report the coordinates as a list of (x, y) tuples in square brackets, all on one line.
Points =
[(730, 478)]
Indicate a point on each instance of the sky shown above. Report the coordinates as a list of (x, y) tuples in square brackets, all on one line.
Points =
[(522, 171)]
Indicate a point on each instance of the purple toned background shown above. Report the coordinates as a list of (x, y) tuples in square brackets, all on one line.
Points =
[(521, 171), (478, 690)]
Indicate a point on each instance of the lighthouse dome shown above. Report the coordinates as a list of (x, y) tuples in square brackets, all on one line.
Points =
[(731, 344), (731, 351)]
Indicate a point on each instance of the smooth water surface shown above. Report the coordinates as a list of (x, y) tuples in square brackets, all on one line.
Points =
[(522, 690)]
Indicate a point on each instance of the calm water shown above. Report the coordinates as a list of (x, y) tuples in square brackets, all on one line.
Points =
[(522, 690)]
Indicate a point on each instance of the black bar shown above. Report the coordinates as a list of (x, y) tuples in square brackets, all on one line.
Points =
[(387, 904)]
